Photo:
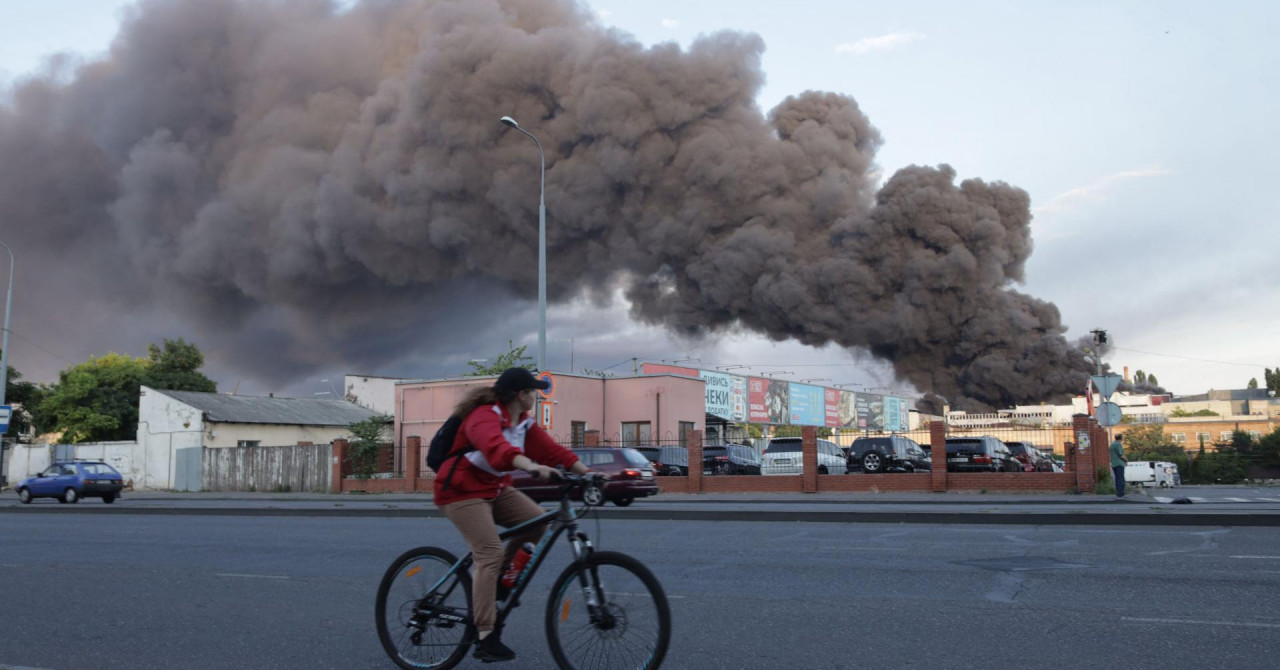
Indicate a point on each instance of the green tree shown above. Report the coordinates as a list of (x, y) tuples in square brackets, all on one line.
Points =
[(367, 437), (1151, 379), (1144, 437), (1179, 412), (1269, 449), (1272, 378), (1140, 377), (26, 394), (95, 401), (794, 431), (513, 358), (1253, 383), (176, 367)]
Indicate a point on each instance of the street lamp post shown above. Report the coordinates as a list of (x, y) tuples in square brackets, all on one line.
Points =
[(4, 346), (542, 247)]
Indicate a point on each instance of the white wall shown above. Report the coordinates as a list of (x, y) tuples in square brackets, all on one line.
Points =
[(26, 460), (229, 435), (375, 393), (165, 426)]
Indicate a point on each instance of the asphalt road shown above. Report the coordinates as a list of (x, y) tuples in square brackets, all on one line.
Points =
[(219, 592)]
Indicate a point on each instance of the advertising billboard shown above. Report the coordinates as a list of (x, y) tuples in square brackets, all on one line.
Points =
[(831, 407), (807, 405), (726, 395)]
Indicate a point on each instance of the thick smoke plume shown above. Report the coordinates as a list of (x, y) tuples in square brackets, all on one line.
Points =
[(297, 180)]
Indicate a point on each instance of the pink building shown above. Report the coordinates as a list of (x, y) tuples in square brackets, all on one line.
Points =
[(626, 410)]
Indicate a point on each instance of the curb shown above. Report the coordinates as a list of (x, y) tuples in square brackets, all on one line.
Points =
[(1076, 518)]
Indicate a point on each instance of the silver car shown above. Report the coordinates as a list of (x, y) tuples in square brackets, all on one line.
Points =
[(783, 456)]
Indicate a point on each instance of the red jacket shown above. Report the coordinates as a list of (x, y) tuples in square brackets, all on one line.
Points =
[(484, 472)]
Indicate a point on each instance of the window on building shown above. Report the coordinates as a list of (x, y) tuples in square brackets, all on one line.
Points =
[(1203, 438), (685, 428), (1225, 436), (249, 443), (635, 433), (1179, 437), (1255, 433), (577, 433)]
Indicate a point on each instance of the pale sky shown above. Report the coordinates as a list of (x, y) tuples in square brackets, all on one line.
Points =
[(1144, 132)]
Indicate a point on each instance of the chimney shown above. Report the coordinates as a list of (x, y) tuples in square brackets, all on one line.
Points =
[(1126, 373), (271, 394)]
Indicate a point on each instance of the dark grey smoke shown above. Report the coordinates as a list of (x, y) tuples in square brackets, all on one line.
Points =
[(311, 186)]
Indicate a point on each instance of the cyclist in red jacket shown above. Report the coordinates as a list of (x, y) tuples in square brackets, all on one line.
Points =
[(496, 420)]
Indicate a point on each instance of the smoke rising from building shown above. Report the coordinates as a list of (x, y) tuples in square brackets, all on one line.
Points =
[(311, 185)]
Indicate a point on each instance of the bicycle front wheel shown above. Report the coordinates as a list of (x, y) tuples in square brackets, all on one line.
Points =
[(608, 612), (424, 616)]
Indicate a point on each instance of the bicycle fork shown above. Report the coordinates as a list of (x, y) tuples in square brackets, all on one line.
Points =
[(589, 582)]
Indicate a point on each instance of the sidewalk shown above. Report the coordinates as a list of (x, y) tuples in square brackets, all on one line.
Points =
[(991, 508)]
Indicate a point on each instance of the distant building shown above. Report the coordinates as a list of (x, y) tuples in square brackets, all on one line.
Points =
[(373, 392)]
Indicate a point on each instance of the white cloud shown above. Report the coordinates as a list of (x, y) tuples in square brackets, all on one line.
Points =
[(1074, 197), (881, 43), (670, 23)]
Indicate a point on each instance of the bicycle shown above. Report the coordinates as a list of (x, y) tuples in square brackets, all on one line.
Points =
[(622, 615)]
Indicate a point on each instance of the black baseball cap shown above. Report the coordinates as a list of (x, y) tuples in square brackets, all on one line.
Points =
[(515, 380)]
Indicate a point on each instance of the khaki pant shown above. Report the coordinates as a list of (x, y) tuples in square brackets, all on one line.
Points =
[(477, 520)]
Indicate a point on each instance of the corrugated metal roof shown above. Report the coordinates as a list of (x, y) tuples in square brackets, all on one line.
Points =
[(286, 411)]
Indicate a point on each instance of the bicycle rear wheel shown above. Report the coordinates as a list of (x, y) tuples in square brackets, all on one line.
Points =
[(628, 627), (424, 619)]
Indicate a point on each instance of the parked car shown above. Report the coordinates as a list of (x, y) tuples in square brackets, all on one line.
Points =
[(630, 476), (730, 459), (670, 461), (69, 481), (874, 455), (1031, 458), (783, 457), (979, 454)]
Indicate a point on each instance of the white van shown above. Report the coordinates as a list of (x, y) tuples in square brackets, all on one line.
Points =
[(1152, 473)]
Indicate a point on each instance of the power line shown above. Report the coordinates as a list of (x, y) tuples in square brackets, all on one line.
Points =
[(1189, 358), (29, 341)]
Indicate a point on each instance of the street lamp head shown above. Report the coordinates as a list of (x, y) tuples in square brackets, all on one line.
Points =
[(510, 122)]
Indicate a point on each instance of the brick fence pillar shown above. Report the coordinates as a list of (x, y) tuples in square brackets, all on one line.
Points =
[(591, 438), (694, 441), (412, 461), (1101, 450), (809, 448), (938, 454), (1081, 428), (339, 465)]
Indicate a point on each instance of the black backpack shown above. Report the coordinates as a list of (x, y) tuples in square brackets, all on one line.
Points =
[(442, 445)]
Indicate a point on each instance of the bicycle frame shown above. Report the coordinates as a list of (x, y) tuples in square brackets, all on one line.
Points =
[(564, 519)]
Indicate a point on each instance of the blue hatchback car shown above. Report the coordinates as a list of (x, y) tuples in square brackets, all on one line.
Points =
[(69, 481)]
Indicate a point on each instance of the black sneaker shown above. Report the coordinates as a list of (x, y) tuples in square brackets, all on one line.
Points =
[(491, 650)]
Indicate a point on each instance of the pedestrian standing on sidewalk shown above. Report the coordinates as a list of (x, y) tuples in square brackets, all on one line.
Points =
[(478, 496), (1118, 461)]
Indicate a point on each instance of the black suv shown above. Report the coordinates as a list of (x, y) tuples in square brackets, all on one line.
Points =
[(874, 455), (979, 454), (730, 459), (672, 461)]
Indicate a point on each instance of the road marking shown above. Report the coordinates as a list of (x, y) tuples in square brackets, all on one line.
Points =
[(1271, 558), (1195, 499), (1237, 499), (1270, 499), (643, 595), (1162, 500), (232, 574), (1198, 622)]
